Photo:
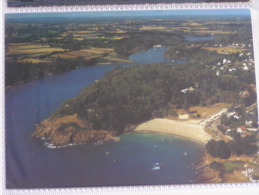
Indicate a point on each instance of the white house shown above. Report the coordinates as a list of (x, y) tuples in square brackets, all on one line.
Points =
[(229, 130), (236, 117), (245, 68), (224, 61), (249, 123), (187, 89), (241, 129)]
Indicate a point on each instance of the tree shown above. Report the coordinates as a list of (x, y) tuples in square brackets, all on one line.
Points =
[(218, 149)]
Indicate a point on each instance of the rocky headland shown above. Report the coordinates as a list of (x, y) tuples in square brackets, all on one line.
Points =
[(71, 130)]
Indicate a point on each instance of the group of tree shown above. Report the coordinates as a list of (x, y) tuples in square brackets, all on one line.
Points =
[(138, 93), (239, 146)]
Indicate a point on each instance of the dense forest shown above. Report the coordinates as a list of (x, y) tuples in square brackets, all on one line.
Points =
[(131, 95), (194, 54)]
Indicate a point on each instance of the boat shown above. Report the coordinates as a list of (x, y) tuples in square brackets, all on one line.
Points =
[(155, 168)]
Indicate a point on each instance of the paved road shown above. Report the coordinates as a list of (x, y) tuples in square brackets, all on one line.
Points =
[(212, 117)]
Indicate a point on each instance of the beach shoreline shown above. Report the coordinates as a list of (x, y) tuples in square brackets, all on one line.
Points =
[(190, 129)]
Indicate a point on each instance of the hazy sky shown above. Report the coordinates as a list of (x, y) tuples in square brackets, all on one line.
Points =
[(236, 12)]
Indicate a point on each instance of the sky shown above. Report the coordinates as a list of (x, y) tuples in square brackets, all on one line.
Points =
[(205, 12)]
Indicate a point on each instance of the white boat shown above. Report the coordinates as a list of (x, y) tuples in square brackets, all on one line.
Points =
[(51, 146), (155, 168)]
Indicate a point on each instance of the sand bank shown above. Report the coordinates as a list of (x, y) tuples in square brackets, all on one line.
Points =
[(189, 128)]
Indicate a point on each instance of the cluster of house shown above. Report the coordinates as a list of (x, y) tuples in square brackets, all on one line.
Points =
[(246, 131), (246, 60), (243, 130), (243, 46)]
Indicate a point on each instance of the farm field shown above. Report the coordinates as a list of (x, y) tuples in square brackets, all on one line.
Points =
[(225, 50)]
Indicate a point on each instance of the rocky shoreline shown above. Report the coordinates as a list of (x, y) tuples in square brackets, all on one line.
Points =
[(70, 130)]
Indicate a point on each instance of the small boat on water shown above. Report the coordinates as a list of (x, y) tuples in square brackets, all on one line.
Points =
[(156, 166), (51, 146)]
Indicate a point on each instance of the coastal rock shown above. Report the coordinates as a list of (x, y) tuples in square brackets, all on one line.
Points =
[(93, 135), (71, 130)]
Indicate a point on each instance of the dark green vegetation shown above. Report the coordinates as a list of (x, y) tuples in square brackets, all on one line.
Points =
[(29, 71), (135, 94), (226, 167), (239, 146)]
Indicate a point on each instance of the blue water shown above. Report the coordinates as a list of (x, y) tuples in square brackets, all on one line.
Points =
[(154, 55), (29, 164), (191, 38)]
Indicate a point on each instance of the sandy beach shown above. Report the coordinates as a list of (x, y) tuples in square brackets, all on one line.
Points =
[(188, 128)]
